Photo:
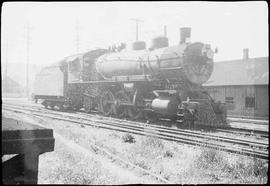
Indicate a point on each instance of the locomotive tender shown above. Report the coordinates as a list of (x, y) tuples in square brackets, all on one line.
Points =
[(162, 81)]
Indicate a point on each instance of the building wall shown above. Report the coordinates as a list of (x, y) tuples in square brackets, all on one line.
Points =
[(262, 94), (237, 101)]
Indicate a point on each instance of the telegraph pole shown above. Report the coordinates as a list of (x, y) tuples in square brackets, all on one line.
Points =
[(77, 36), (137, 27), (165, 31), (6, 63), (27, 56)]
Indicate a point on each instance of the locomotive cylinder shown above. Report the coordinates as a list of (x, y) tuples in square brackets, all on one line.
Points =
[(164, 106)]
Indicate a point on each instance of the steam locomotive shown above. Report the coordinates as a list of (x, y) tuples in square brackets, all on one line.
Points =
[(160, 82)]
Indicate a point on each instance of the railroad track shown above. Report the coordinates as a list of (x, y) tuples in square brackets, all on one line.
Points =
[(241, 131), (247, 132), (261, 121), (257, 149), (224, 129)]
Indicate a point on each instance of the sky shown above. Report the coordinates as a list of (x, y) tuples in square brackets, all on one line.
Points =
[(228, 26)]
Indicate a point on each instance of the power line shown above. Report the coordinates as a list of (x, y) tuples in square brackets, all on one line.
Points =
[(137, 27)]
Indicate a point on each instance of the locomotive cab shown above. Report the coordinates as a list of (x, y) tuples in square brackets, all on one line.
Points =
[(75, 65)]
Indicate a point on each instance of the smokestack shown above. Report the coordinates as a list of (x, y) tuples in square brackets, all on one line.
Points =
[(185, 34), (245, 54), (165, 31)]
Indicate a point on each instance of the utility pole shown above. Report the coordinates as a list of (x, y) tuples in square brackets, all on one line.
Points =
[(77, 27), (6, 64), (27, 56), (165, 31), (137, 27)]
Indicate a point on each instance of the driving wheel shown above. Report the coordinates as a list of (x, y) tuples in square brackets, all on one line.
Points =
[(107, 103)]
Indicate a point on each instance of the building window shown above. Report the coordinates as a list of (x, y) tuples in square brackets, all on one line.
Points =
[(229, 100), (250, 102)]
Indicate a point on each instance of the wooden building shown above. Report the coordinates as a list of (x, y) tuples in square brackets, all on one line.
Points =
[(243, 85)]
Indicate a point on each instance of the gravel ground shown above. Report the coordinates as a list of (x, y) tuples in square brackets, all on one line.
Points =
[(74, 161)]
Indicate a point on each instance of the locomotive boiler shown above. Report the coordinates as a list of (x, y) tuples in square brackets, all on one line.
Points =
[(188, 62), (160, 82)]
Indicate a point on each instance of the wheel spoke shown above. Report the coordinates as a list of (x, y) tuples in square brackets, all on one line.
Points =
[(107, 103)]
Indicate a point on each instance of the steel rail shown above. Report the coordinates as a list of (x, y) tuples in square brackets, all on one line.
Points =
[(243, 151), (224, 129), (191, 141), (249, 120), (184, 132), (264, 134), (179, 131), (193, 134)]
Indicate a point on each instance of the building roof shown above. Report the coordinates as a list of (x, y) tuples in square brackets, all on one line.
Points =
[(252, 71)]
